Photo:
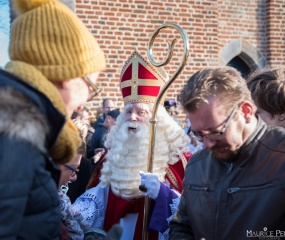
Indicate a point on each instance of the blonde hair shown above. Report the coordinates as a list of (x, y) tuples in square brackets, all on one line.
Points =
[(82, 127), (224, 83)]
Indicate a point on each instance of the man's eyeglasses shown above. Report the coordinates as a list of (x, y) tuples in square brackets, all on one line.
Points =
[(74, 171), (218, 135), (95, 90)]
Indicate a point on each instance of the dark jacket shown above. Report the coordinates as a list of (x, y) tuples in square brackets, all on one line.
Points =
[(221, 203), (90, 133), (78, 187), (100, 119), (98, 139), (29, 125)]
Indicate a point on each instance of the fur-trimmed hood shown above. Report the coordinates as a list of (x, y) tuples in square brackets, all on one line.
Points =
[(25, 113), (19, 118)]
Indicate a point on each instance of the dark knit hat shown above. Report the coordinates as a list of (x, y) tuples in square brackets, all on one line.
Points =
[(114, 113), (170, 103)]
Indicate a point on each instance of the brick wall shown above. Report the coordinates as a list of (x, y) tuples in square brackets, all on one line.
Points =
[(122, 26), (275, 32)]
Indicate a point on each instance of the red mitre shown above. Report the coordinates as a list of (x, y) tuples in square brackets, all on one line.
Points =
[(140, 81)]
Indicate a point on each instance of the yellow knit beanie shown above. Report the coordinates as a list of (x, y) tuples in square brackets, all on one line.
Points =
[(49, 36), (48, 43)]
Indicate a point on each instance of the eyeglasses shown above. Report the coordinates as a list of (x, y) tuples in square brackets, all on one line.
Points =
[(74, 171), (95, 90), (218, 135)]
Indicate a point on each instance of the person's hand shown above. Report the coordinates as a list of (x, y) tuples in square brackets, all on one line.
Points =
[(150, 185), (98, 154)]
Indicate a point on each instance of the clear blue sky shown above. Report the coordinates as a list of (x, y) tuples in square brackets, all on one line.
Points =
[(4, 31)]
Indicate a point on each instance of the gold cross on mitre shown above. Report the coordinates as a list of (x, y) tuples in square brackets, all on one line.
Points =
[(140, 81)]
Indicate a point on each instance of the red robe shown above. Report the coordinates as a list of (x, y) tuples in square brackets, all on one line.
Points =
[(118, 207)]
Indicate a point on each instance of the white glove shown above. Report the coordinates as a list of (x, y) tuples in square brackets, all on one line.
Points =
[(152, 183)]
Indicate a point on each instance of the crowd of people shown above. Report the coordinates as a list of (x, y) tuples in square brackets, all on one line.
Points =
[(221, 176)]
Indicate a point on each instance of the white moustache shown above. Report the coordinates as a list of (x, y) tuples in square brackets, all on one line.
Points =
[(133, 124)]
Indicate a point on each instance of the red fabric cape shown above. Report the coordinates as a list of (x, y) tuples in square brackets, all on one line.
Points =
[(118, 208)]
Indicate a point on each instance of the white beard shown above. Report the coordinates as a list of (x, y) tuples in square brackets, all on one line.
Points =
[(128, 155)]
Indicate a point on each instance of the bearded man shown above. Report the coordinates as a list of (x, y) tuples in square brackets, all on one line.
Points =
[(117, 198)]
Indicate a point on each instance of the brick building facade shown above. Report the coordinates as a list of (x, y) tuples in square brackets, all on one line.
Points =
[(246, 34)]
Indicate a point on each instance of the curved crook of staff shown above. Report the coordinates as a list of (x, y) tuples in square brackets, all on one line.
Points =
[(153, 120)]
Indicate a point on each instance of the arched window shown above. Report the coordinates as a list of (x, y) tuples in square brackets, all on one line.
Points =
[(240, 65), (242, 56)]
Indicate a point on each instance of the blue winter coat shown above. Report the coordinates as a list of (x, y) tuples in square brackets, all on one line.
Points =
[(29, 125)]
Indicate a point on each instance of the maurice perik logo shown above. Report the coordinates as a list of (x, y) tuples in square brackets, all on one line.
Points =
[(265, 234)]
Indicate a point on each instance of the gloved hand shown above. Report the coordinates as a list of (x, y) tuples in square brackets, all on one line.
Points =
[(152, 183)]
